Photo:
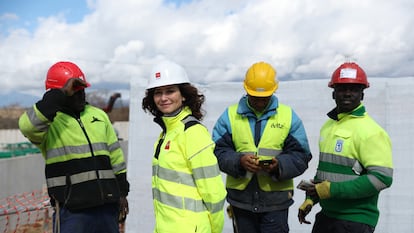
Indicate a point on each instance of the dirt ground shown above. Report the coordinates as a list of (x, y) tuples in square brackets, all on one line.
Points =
[(11, 112), (9, 116)]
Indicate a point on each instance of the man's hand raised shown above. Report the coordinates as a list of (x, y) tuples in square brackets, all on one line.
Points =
[(73, 85)]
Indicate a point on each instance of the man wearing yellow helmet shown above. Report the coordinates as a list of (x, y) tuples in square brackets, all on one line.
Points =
[(261, 145)]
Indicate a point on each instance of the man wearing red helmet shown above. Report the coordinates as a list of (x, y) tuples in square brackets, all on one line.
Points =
[(355, 161), (85, 167)]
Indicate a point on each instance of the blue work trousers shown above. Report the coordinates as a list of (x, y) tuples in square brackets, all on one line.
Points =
[(268, 222), (101, 219)]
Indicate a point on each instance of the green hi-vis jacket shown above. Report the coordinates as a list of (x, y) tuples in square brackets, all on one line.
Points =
[(188, 190), (85, 165), (270, 145), (356, 157)]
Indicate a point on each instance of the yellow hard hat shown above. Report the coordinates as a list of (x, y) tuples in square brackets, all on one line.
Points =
[(260, 80)]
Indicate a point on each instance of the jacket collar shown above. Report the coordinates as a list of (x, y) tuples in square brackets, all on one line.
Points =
[(357, 112), (244, 109), (167, 122)]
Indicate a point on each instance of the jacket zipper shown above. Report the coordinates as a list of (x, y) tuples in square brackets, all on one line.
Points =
[(93, 155)]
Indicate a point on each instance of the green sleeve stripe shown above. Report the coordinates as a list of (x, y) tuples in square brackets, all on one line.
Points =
[(330, 167)]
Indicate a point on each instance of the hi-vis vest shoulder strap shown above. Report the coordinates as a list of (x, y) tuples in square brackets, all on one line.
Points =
[(190, 121), (271, 144)]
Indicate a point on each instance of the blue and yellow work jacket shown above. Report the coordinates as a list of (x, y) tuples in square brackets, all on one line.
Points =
[(188, 190), (85, 165), (277, 132), (356, 157)]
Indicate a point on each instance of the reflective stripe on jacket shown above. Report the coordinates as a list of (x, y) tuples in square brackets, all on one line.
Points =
[(188, 190), (270, 145), (356, 156), (83, 156)]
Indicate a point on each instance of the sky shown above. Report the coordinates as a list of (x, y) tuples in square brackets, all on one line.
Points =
[(114, 42)]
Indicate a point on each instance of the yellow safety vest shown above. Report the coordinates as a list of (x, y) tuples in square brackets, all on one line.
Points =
[(270, 145)]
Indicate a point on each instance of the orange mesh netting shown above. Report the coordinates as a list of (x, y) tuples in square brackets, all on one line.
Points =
[(26, 212), (29, 212)]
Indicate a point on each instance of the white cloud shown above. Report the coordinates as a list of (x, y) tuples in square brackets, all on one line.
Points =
[(214, 40), (8, 16)]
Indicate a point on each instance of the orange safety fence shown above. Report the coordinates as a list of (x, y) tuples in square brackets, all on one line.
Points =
[(29, 212)]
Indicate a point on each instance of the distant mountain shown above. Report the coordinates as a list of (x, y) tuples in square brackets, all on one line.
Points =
[(105, 88), (17, 98), (25, 100)]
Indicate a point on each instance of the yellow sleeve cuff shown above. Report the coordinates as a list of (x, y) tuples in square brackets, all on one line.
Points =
[(323, 189), (306, 203)]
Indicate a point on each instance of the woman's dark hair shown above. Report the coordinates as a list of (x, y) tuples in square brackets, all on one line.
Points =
[(193, 99)]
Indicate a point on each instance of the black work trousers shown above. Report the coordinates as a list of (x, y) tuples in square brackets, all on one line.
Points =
[(325, 224)]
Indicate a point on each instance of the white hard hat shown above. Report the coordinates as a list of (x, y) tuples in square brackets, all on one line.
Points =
[(167, 73)]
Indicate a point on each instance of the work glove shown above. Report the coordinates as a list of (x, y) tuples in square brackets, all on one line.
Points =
[(73, 85), (304, 210), (323, 189), (123, 209)]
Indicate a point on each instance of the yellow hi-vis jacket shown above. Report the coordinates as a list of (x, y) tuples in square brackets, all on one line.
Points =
[(85, 166), (356, 157), (270, 145), (188, 190)]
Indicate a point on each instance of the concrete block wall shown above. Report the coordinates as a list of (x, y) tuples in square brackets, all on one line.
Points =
[(26, 173)]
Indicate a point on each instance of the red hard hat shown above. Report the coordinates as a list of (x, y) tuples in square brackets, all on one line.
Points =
[(61, 72), (349, 72)]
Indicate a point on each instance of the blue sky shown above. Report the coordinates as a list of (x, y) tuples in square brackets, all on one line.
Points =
[(26, 12), (116, 42)]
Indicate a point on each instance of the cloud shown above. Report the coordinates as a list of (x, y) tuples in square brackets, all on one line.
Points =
[(214, 40), (8, 16)]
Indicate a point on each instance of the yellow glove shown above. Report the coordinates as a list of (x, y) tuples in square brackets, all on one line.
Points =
[(304, 210), (323, 189)]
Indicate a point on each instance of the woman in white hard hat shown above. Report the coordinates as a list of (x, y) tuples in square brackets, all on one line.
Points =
[(188, 190)]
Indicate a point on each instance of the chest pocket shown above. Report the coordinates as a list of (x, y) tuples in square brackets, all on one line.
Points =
[(342, 140)]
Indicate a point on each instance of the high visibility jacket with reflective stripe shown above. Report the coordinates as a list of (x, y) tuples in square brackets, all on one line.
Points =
[(83, 156), (188, 190), (270, 145), (293, 159), (356, 156)]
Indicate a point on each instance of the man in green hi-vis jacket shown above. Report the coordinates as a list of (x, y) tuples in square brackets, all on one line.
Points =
[(355, 161)]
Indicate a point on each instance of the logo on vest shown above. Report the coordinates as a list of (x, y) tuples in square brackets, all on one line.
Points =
[(338, 146), (277, 125), (94, 119), (167, 146)]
